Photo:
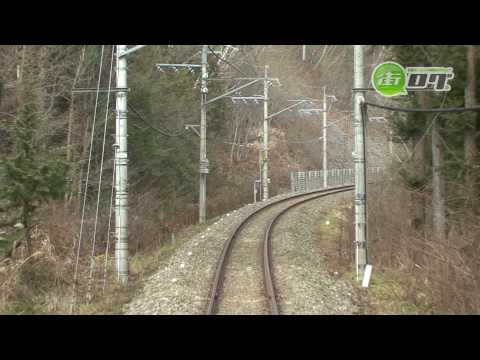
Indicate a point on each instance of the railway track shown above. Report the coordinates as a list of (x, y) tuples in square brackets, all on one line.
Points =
[(244, 279)]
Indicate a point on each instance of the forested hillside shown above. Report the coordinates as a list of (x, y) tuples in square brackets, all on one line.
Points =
[(423, 218)]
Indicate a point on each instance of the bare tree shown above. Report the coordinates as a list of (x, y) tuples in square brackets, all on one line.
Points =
[(470, 146), (438, 196)]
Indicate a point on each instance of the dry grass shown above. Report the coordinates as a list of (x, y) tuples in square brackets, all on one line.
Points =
[(413, 272), (446, 270), (42, 283)]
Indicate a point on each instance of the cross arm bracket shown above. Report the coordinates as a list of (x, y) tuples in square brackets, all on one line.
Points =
[(131, 50), (194, 128)]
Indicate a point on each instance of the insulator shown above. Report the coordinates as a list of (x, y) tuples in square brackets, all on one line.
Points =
[(204, 166)]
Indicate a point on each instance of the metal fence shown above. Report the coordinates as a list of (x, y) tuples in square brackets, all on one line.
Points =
[(311, 180)]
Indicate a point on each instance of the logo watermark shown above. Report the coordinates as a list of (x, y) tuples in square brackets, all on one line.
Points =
[(392, 79)]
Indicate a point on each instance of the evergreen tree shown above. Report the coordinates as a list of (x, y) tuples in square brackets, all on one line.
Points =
[(30, 176), (452, 134)]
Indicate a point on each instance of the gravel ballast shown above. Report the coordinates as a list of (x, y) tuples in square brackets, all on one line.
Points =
[(303, 284), (183, 281)]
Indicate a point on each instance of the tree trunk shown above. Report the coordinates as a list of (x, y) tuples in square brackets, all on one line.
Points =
[(419, 167), (233, 146), (470, 152), (470, 146), (39, 54), (19, 90), (438, 199)]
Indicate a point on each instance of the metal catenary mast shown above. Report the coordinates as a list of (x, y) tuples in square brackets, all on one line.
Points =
[(121, 163), (359, 160)]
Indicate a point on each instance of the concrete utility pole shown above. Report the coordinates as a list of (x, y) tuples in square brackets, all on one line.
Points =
[(263, 155), (359, 160), (324, 166), (263, 151), (265, 137), (121, 161), (304, 52), (203, 140), (245, 99), (260, 172)]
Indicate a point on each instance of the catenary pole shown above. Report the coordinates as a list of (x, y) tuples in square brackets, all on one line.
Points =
[(359, 160), (121, 162), (260, 172), (324, 165), (203, 140), (265, 137)]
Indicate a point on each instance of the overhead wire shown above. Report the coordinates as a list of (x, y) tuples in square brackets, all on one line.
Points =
[(227, 62), (160, 131), (441, 110), (427, 130), (99, 191), (105, 268), (245, 61), (302, 141), (75, 274)]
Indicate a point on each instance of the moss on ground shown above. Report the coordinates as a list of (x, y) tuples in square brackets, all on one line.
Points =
[(388, 294)]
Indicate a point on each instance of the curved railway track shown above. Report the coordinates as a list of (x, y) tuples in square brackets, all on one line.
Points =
[(244, 269)]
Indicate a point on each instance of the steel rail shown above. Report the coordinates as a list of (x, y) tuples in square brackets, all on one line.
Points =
[(219, 277), (267, 247)]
